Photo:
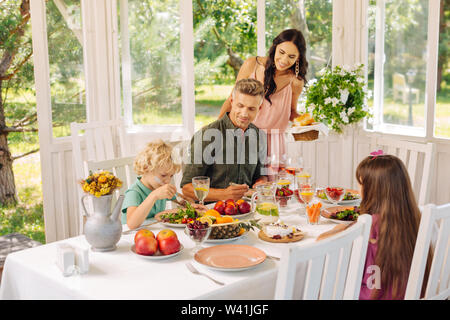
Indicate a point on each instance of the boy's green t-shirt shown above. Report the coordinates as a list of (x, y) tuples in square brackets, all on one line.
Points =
[(135, 195)]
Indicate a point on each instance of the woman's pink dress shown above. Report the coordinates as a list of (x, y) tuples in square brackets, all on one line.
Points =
[(274, 118)]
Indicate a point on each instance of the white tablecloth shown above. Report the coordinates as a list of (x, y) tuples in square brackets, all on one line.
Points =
[(120, 274)]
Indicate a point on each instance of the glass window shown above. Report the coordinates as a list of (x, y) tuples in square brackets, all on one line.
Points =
[(225, 35), (442, 119), (313, 18), (153, 62), (65, 54), (398, 75)]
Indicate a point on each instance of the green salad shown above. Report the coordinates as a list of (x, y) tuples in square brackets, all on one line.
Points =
[(347, 214), (182, 216)]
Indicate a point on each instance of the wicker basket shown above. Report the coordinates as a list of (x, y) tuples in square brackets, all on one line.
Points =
[(306, 136)]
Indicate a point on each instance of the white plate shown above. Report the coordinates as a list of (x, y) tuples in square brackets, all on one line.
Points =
[(174, 225), (226, 240), (236, 216), (342, 203), (335, 220), (158, 255)]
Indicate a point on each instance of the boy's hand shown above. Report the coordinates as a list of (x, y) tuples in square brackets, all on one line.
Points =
[(166, 191)]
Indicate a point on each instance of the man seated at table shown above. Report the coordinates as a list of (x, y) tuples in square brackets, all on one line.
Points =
[(231, 151)]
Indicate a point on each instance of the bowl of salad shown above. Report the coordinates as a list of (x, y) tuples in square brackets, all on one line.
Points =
[(351, 196), (178, 217)]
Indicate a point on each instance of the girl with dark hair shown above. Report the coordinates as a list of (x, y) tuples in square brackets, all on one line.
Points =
[(387, 195), (283, 73)]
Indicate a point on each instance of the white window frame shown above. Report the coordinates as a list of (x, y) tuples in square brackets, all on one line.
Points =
[(431, 77)]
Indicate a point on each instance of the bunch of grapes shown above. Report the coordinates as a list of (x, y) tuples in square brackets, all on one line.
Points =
[(198, 230)]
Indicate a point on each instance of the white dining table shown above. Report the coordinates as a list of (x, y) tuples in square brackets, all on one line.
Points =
[(121, 274)]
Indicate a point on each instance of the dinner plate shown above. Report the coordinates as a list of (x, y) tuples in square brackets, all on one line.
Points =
[(327, 216), (158, 255), (226, 240), (230, 257), (174, 225), (344, 202)]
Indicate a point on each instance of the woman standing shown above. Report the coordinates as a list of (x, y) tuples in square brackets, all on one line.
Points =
[(283, 73)]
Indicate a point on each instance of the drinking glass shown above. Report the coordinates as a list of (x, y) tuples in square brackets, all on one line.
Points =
[(303, 176), (201, 187), (335, 194), (306, 193)]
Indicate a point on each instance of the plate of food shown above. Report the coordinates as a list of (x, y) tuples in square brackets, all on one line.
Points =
[(178, 218), (237, 209), (341, 214), (351, 196), (279, 232), (226, 228), (230, 257)]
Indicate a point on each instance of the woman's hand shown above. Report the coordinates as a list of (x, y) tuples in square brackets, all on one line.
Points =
[(166, 191)]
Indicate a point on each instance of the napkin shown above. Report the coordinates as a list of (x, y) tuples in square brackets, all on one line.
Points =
[(319, 126)]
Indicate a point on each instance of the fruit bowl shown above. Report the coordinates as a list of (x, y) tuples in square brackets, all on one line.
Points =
[(283, 200)]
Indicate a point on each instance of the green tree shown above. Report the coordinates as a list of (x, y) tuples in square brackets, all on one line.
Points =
[(16, 71)]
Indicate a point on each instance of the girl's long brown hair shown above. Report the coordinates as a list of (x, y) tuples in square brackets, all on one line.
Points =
[(387, 191)]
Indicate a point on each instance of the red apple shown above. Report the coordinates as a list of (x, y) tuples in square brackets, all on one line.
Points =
[(244, 207), (165, 233), (146, 246), (169, 245), (220, 207), (230, 210), (143, 233)]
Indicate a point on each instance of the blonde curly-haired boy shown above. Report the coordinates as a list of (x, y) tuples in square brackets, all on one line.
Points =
[(155, 168)]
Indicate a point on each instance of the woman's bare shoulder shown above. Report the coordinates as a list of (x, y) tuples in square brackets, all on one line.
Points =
[(297, 84)]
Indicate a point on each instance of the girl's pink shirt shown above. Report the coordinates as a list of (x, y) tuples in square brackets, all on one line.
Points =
[(369, 272)]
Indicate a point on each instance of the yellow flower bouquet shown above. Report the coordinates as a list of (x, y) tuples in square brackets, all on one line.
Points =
[(100, 183)]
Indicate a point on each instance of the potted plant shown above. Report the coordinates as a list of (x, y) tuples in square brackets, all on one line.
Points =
[(339, 97)]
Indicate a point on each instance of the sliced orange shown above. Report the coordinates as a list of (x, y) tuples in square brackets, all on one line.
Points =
[(227, 219), (213, 213)]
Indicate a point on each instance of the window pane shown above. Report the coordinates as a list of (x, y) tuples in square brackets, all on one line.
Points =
[(65, 53), (313, 18), (442, 120), (154, 62), (404, 70), (223, 31)]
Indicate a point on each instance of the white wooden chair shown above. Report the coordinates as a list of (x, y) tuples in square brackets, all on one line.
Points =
[(334, 266), (95, 141), (438, 285), (418, 159)]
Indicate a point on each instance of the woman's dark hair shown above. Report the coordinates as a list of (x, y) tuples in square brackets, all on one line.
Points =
[(297, 38)]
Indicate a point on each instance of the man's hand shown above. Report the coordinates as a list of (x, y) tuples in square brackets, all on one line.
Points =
[(236, 191), (166, 191)]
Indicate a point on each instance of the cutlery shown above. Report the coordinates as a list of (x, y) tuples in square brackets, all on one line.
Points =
[(272, 257), (139, 228), (195, 271)]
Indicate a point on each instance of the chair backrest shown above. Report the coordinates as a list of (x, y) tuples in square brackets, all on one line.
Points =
[(122, 168), (411, 153), (334, 266), (102, 141), (398, 80), (438, 285)]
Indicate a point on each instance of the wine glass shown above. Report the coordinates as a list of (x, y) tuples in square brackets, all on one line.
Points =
[(198, 232), (201, 187), (293, 164), (303, 176), (306, 193), (335, 194)]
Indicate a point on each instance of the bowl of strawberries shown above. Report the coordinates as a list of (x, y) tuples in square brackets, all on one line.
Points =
[(283, 195)]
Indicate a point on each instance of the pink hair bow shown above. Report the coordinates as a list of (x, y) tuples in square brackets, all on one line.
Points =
[(375, 154)]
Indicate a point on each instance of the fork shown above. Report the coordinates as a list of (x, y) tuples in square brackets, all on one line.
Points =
[(195, 271)]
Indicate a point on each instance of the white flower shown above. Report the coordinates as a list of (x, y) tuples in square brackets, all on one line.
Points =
[(344, 117), (335, 101), (350, 110), (369, 94), (360, 80), (328, 100), (344, 95), (365, 107), (312, 82)]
